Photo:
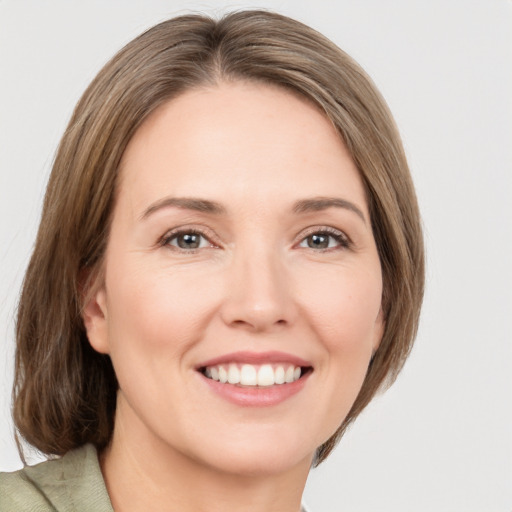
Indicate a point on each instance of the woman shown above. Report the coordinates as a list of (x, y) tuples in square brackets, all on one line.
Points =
[(229, 266)]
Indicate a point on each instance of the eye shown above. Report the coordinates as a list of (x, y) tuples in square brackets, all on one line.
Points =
[(186, 240), (325, 239)]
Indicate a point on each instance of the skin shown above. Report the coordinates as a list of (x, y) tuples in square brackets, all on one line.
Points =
[(254, 284)]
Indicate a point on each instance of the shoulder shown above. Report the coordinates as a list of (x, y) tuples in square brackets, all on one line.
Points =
[(73, 482), (17, 492)]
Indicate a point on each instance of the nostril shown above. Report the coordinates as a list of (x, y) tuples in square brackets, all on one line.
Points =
[(258, 323)]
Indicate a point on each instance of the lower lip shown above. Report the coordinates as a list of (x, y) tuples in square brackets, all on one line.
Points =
[(256, 396)]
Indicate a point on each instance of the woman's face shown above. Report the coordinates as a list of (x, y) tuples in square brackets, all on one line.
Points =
[(240, 249)]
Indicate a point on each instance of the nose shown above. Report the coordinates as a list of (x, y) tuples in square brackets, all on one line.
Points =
[(259, 297)]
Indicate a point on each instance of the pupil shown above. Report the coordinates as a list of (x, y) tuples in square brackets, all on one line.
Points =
[(189, 241), (318, 241)]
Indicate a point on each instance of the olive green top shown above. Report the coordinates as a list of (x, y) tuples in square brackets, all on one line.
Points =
[(73, 483)]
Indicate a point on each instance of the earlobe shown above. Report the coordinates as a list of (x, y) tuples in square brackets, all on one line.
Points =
[(94, 314)]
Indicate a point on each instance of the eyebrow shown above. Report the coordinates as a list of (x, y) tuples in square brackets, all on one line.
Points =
[(316, 204), (186, 203)]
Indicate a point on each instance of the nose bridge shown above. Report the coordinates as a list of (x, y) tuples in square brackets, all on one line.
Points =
[(259, 296)]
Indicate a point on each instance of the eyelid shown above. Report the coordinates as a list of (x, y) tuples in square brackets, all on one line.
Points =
[(344, 239), (204, 231)]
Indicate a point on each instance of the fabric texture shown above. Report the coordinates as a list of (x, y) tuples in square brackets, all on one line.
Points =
[(73, 483)]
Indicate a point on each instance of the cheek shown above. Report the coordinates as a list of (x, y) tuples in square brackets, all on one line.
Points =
[(155, 318), (344, 306), (153, 309), (341, 308)]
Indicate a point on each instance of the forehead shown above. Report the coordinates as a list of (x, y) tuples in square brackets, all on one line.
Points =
[(238, 140)]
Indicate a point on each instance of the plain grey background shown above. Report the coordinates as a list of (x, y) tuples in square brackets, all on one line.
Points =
[(441, 438)]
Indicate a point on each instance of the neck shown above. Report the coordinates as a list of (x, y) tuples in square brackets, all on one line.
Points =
[(139, 471)]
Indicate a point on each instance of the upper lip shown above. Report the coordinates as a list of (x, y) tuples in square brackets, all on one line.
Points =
[(255, 358)]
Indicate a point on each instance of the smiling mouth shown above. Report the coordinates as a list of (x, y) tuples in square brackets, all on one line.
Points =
[(251, 375)]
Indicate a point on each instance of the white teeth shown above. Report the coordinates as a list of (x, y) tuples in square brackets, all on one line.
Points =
[(233, 374), (248, 375), (223, 375), (288, 377), (279, 375), (266, 375), (253, 375)]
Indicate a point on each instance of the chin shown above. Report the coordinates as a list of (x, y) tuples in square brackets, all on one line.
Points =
[(261, 454), (263, 464)]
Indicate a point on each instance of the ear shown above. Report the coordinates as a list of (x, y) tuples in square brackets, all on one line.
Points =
[(380, 326), (95, 317)]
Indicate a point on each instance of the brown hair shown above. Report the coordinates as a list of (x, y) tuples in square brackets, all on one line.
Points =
[(65, 392)]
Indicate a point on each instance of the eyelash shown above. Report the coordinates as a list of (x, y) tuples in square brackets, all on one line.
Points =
[(343, 242), (341, 238), (166, 240)]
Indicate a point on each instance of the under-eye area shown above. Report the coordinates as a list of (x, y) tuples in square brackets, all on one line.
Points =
[(262, 375)]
